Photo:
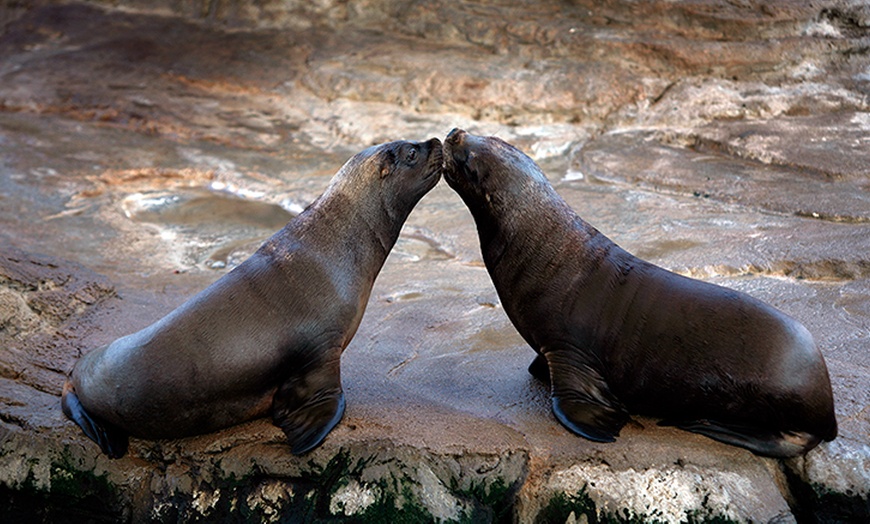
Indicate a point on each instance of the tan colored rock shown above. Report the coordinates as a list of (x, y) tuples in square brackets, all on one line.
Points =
[(158, 144)]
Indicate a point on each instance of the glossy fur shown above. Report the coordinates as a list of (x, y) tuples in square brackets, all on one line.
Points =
[(267, 337), (617, 335)]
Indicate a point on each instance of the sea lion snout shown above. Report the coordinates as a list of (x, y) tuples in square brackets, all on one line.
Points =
[(435, 151), (434, 144), (429, 166), (456, 135), (456, 156), (455, 146)]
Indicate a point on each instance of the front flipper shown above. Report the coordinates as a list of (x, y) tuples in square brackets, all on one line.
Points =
[(758, 440), (582, 401), (307, 406), (540, 369), (112, 440)]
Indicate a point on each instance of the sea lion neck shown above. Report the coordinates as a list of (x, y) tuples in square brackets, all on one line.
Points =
[(504, 190), (503, 223), (355, 223)]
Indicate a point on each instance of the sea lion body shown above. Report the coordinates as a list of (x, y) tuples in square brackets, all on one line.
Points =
[(616, 334), (267, 337)]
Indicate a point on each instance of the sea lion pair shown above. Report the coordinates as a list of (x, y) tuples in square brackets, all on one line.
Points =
[(613, 333)]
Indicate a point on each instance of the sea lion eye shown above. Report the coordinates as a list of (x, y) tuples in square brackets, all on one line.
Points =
[(411, 155)]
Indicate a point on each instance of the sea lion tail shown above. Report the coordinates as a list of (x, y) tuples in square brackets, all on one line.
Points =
[(112, 441), (777, 444)]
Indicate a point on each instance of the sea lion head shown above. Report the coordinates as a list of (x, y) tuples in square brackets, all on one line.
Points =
[(489, 174), (395, 175)]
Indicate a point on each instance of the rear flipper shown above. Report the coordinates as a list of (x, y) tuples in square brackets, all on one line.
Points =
[(778, 444), (582, 400), (308, 406), (112, 440)]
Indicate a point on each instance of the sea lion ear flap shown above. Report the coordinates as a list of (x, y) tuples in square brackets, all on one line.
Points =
[(387, 160)]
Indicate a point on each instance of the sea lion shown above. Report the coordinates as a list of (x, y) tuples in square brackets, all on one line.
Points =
[(617, 335), (267, 337)]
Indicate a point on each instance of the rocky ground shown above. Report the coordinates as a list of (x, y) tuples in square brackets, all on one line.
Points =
[(148, 147)]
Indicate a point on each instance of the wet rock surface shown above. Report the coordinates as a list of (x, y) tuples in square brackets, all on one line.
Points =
[(147, 150)]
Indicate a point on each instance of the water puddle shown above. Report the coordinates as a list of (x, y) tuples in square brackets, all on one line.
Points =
[(855, 302), (415, 245), (202, 208), (663, 248), (215, 229), (403, 296), (490, 339)]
